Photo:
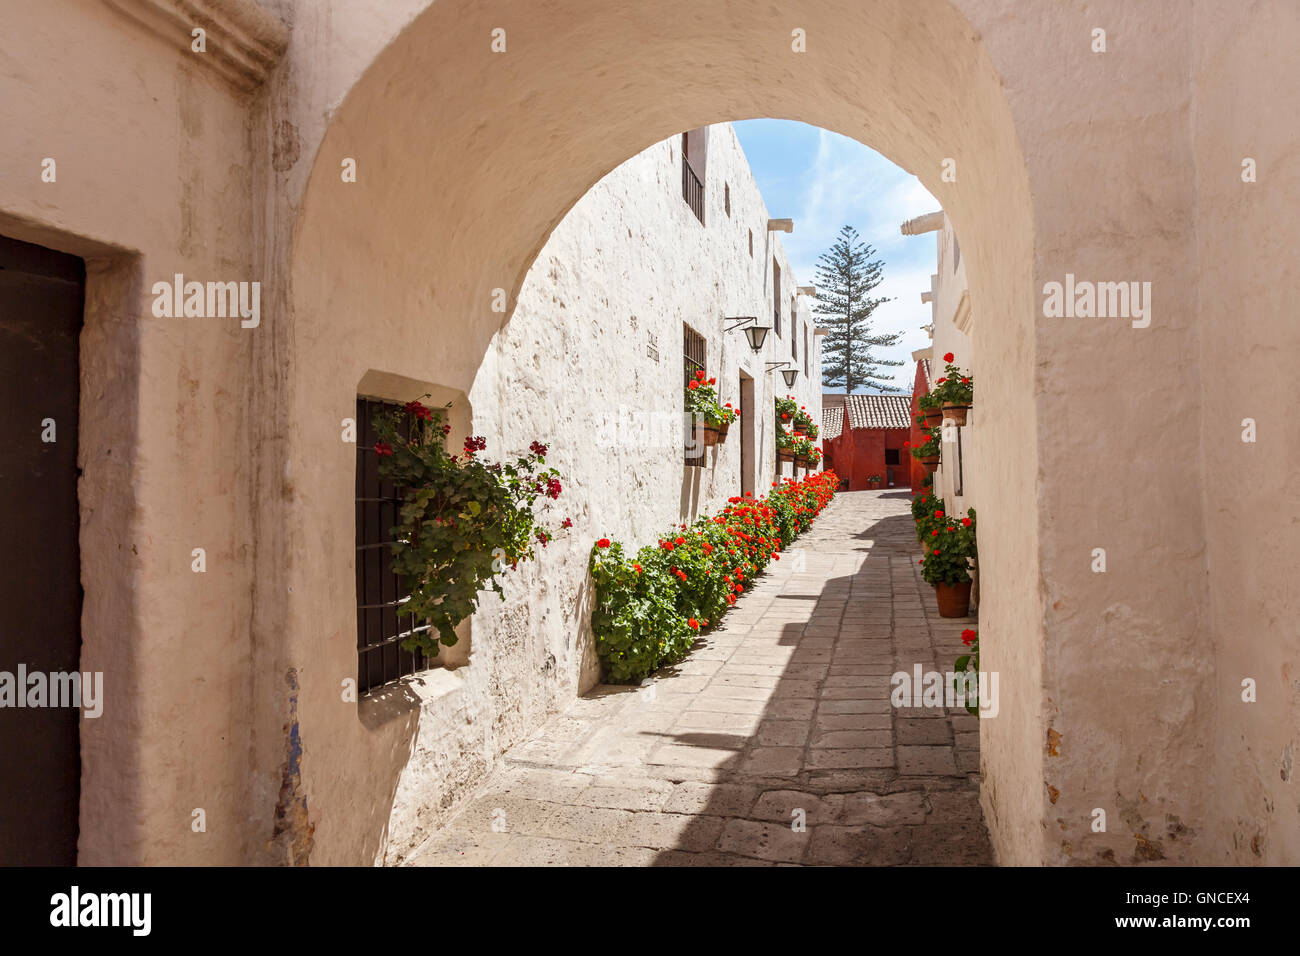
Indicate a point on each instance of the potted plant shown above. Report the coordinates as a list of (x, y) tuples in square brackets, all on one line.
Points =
[(786, 410), (784, 445), (956, 392), (711, 420), (928, 452), (803, 448), (932, 408), (950, 546), (874, 481), (803, 423), (814, 458)]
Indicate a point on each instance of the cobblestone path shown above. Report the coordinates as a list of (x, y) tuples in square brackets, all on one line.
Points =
[(781, 717)]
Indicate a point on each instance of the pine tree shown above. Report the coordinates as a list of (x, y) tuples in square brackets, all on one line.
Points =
[(846, 274)]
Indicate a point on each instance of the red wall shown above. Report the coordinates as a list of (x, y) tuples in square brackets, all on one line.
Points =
[(860, 453), (915, 437)]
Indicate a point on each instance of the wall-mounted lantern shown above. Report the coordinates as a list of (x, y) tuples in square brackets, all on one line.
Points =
[(755, 333), (789, 374)]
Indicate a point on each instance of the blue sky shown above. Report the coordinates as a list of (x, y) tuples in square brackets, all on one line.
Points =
[(824, 181)]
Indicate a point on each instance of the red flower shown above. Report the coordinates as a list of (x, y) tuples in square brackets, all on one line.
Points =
[(968, 635), (694, 624), (907, 444), (418, 410), (966, 522), (739, 588), (383, 448), (537, 448), (693, 386), (713, 381), (965, 380), (637, 567), (679, 541), (603, 543), (936, 550), (699, 374), (938, 514), (553, 488), (940, 381), (947, 358), (477, 443), (934, 533)]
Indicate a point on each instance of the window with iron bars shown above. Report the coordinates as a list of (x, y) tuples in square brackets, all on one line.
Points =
[(381, 592), (693, 360)]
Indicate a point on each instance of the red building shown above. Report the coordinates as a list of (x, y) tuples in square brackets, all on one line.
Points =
[(863, 435), (920, 385)]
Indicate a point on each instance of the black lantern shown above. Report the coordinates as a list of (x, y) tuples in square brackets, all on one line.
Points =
[(789, 374), (757, 334)]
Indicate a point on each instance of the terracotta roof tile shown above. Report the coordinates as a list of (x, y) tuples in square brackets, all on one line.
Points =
[(832, 422), (880, 411)]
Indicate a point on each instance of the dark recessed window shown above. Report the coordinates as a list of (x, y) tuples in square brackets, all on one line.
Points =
[(692, 181), (381, 625), (751, 243), (726, 198), (693, 360), (776, 298), (891, 456)]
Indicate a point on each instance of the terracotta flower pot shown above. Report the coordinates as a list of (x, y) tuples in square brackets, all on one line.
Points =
[(722, 432), (710, 436), (931, 464), (932, 416), (801, 461), (957, 413), (782, 455), (953, 599)]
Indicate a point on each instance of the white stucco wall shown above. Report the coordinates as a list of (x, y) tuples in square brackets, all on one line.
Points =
[(589, 362), (947, 287)]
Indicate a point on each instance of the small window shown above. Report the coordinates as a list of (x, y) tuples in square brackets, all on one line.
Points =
[(692, 179), (794, 332), (891, 456), (381, 627), (776, 298), (693, 360), (726, 198)]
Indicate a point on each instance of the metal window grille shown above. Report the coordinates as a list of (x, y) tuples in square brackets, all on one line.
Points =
[(692, 188), (693, 360), (381, 625)]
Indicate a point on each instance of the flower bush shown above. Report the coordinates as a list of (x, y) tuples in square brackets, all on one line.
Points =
[(784, 441), (956, 387), (969, 664), (949, 544), (803, 448), (803, 423), (651, 606), (463, 521), (931, 447), (786, 410), (702, 402)]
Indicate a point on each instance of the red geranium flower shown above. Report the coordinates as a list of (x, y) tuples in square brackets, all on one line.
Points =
[(936, 550), (907, 444), (603, 543), (966, 522), (637, 567), (968, 635), (947, 358), (940, 381), (383, 448), (693, 386)]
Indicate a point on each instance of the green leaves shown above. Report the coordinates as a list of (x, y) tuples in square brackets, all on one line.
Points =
[(459, 513)]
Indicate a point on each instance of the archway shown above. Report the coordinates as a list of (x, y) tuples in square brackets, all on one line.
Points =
[(467, 159)]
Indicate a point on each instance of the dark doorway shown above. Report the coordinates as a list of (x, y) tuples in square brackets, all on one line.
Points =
[(42, 296), (747, 477)]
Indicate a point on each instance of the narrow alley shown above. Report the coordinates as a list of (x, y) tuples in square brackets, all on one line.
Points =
[(774, 743)]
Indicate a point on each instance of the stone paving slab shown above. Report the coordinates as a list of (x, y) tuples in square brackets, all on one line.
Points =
[(774, 744)]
